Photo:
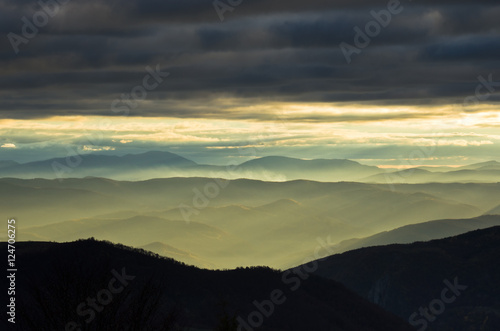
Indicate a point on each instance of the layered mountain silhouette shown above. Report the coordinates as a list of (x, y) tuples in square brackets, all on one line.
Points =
[(67, 283), (109, 166), (240, 221), (485, 172), (273, 211), (420, 232), (165, 164), (446, 284), (157, 164)]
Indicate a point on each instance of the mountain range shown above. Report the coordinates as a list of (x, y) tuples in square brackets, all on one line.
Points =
[(346, 245), (226, 224), (155, 164)]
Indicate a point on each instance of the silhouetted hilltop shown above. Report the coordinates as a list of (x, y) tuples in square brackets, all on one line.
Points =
[(57, 278), (403, 278)]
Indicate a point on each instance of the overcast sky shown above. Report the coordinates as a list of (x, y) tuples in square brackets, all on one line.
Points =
[(211, 80)]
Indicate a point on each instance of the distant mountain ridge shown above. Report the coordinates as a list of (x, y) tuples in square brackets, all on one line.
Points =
[(86, 165), (420, 232), (165, 164), (320, 169), (159, 164), (484, 172)]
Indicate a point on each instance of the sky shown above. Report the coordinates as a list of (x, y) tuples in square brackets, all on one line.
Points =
[(398, 83)]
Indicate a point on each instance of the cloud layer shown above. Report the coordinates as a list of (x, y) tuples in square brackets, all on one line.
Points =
[(90, 53)]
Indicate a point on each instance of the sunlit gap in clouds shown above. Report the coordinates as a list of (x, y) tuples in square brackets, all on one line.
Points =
[(326, 130)]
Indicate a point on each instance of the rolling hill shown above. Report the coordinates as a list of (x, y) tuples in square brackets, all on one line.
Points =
[(152, 293), (407, 278)]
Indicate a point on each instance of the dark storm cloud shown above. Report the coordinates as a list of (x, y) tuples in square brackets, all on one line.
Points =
[(91, 52)]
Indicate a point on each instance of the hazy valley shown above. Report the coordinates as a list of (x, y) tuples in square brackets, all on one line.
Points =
[(217, 223)]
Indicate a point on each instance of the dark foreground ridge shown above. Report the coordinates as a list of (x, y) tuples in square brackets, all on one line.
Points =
[(97, 285), (445, 284)]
